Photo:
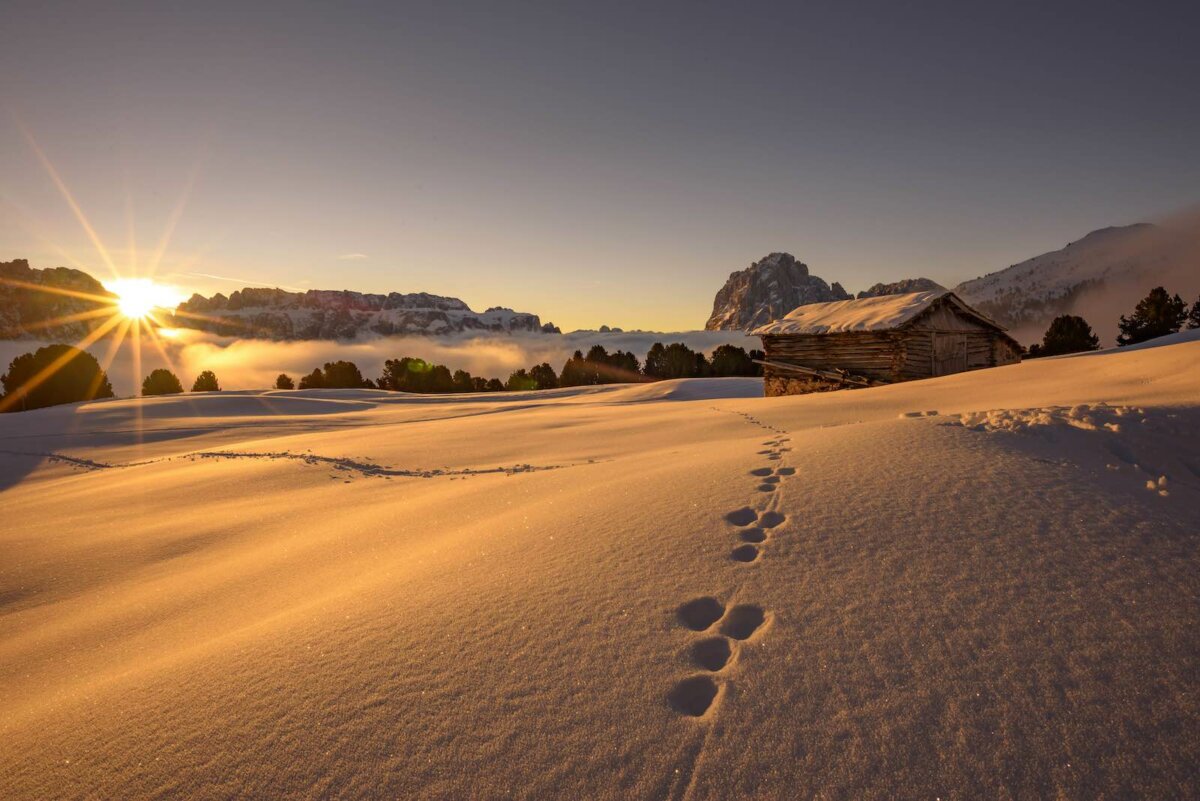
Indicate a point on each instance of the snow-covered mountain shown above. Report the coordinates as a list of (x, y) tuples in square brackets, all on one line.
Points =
[(30, 299), (905, 286), (1099, 277), (331, 314), (767, 290)]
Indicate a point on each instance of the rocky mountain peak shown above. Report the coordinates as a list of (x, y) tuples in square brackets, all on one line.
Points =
[(767, 290)]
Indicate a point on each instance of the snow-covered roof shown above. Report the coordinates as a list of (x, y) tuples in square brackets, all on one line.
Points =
[(882, 313)]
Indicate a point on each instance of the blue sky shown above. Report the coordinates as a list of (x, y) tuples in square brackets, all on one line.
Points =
[(595, 163)]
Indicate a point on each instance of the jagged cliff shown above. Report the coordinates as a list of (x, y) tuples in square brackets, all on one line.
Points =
[(331, 314), (767, 290)]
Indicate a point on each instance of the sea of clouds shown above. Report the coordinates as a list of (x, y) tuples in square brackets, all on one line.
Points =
[(254, 363)]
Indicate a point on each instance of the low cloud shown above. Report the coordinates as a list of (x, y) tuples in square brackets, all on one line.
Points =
[(254, 363), (352, 257)]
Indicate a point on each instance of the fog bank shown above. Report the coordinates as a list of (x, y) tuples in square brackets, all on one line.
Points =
[(254, 363)]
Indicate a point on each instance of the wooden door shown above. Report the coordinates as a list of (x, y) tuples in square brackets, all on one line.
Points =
[(949, 353)]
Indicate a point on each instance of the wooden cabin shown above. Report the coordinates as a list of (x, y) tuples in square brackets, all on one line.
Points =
[(880, 340)]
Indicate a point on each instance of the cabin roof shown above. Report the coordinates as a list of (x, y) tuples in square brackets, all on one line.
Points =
[(882, 313)]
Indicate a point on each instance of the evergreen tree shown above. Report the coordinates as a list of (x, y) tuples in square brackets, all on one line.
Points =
[(284, 381), (463, 381), (676, 360), (655, 365), (543, 376), (479, 384), (206, 382), (494, 385), (344, 375), (1193, 318), (730, 360), (520, 381), (51, 375), (1066, 334), (314, 380), (417, 375), (625, 366), (1156, 315), (161, 382), (573, 372)]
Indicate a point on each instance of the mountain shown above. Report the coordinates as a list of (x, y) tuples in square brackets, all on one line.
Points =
[(1098, 277), (30, 299), (331, 314), (904, 286), (767, 290)]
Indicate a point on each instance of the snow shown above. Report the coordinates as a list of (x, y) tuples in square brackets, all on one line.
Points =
[(883, 313), (677, 590)]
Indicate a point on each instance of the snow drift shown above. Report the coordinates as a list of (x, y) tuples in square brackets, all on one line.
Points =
[(982, 585)]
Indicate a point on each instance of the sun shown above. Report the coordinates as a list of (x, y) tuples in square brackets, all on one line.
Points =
[(137, 298)]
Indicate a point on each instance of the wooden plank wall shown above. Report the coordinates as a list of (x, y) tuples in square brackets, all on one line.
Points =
[(872, 354), (885, 356)]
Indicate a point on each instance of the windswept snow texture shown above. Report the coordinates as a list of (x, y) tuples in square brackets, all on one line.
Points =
[(977, 586)]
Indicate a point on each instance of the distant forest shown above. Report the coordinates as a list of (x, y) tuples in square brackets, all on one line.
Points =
[(410, 374)]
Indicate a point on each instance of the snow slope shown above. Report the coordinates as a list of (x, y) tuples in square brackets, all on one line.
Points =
[(678, 590), (1099, 277)]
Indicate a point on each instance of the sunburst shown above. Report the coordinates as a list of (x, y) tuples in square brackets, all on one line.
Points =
[(135, 306)]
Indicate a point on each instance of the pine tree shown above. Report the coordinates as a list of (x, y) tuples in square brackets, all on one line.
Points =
[(314, 380), (1156, 315), (284, 381), (161, 382), (51, 375), (543, 375), (344, 375), (206, 382), (573, 372), (1193, 318), (730, 360), (1066, 334), (520, 381)]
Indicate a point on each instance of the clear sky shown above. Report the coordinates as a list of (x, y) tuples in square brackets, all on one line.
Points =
[(595, 163)]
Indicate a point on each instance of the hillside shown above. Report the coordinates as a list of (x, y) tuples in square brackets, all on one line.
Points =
[(1099, 277), (673, 590)]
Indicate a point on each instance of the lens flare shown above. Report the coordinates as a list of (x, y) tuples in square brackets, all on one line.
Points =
[(138, 297)]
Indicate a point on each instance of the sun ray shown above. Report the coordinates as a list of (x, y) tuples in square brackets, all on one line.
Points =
[(165, 240), (56, 290), (31, 227), (130, 233), (14, 397), (66, 318), (66, 193), (114, 345)]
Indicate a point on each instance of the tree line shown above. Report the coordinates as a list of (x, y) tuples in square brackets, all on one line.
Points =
[(56, 374), (598, 366), (1156, 315)]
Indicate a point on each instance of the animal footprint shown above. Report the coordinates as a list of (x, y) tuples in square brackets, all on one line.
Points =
[(785, 471), (755, 534), (742, 621), (742, 517), (712, 654), (766, 487), (700, 613), (771, 519), (693, 696), (744, 553), (761, 471)]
